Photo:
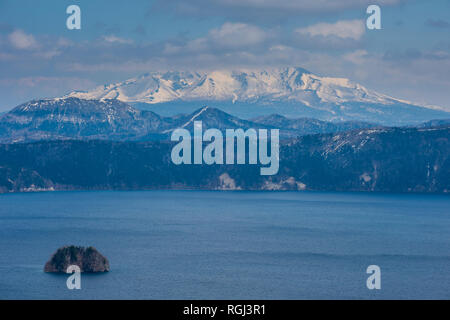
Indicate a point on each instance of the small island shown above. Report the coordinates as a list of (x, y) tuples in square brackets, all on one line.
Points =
[(88, 259)]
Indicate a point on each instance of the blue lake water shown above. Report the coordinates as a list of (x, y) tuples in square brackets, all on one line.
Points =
[(229, 245)]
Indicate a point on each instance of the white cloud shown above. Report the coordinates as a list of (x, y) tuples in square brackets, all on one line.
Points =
[(229, 36), (356, 57), (352, 29), (21, 40), (237, 34), (114, 39)]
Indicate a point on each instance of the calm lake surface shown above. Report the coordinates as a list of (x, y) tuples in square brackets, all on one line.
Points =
[(229, 245)]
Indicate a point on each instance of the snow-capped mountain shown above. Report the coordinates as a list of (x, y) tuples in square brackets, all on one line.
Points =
[(293, 92), (289, 84)]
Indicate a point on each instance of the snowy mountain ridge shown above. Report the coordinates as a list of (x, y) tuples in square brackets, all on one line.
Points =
[(262, 86)]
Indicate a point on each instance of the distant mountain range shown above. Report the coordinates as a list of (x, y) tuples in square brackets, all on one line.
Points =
[(73, 118), (377, 159), (74, 144), (292, 92)]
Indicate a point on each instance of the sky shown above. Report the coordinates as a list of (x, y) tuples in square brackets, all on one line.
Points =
[(409, 58)]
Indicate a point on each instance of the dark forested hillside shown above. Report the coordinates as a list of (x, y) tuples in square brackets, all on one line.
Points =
[(388, 160)]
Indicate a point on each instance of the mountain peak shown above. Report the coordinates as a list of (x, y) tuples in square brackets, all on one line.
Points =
[(195, 116), (241, 85), (291, 91)]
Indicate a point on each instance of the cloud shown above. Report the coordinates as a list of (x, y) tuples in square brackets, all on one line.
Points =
[(228, 37), (357, 57), (24, 48), (352, 29), (21, 40), (115, 39), (237, 34)]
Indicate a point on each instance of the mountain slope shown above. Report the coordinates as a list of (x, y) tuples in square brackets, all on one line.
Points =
[(73, 118), (304, 126), (387, 160), (294, 92)]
